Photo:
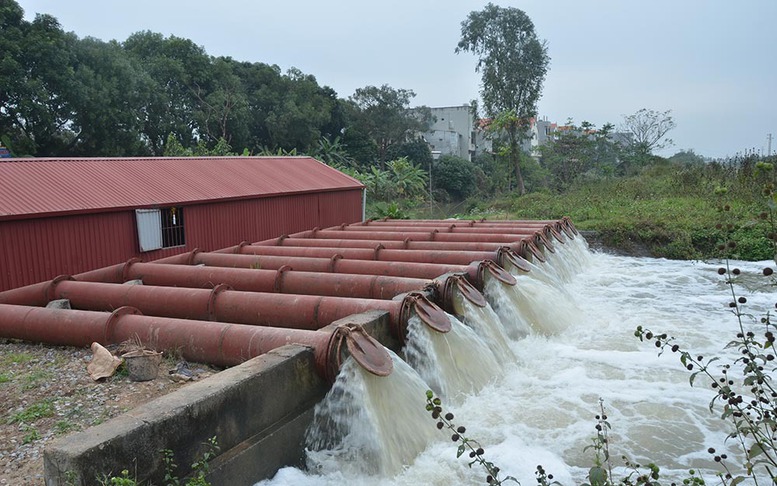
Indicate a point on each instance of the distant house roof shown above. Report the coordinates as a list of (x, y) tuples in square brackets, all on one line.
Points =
[(49, 186)]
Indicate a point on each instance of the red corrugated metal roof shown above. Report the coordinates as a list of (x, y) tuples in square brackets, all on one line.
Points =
[(38, 187)]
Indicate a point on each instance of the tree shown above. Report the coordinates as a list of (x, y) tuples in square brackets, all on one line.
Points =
[(648, 129), (454, 175), (513, 63), (417, 151), (385, 114), (37, 83), (176, 67), (574, 151), (107, 119)]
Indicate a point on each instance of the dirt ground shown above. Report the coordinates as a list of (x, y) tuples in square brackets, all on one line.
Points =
[(46, 393)]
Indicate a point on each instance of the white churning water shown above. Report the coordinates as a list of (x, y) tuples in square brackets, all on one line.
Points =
[(531, 398)]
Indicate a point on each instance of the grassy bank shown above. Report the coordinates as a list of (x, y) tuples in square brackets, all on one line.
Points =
[(674, 212)]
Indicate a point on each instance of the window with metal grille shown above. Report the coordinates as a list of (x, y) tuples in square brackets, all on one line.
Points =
[(160, 228), (172, 227)]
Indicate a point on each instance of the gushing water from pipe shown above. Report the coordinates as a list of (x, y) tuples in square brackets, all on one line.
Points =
[(485, 322), (513, 321), (455, 363), (369, 424)]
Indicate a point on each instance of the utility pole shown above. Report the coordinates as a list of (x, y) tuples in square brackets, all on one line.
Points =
[(768, 144)]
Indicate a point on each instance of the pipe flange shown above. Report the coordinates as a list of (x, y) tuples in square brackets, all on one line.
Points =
[(428, 311), (555, 233), (192, 256), (278, 284), (240, 246), (214, 292), (333, 262), (110, 322), (125, 269), (406, 244), (48, 292), (542, 238), (535, 251), (376, 251)]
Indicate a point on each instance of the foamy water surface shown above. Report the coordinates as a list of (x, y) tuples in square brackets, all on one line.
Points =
[(539, 407)]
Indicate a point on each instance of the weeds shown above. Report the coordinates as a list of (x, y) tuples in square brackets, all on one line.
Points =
[(476, 452), (34, 412)]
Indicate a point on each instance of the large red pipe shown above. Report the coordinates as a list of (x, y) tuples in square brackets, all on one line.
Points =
[(263, 309), (216, 343), (412, 236), (282, 280), (564, 224), (226, 305), (526, 247), (542, 232), (379, 253), (475, 271)]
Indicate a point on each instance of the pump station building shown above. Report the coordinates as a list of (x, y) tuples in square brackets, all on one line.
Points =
[(67, 216)]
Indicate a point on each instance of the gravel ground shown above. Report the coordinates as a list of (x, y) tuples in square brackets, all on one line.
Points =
[(46, 393)]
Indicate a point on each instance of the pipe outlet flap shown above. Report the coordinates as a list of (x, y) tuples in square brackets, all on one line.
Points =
[(516, 260), (369, 353), (468, 291), (430, 313), (498, 272)]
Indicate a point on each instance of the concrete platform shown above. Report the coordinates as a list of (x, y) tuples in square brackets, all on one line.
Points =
[(258, 411)]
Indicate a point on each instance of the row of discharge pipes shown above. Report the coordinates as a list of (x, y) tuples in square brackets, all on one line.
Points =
[(230, 305)]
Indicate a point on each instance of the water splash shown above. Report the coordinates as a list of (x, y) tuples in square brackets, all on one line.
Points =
[(454, 364), (546, 308), (370, 425), (500, 297), (569, 259), (486, 323)]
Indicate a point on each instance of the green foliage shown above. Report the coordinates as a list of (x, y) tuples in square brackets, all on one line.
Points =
[(333, 153), (454, 175), (173, 148), (200, 468), (385, 115), (416, 151), (579, 152), (124, 480), (401, 179), (513, 62), (465, 445)]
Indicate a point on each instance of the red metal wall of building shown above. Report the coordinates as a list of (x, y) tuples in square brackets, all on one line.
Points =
[(38, 249)]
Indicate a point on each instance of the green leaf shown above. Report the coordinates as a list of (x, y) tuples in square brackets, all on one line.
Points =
[(597, 476), (756, 450), (460, 451), (692, 378)]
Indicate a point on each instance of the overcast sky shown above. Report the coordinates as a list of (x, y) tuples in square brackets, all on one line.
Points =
[(712, 62)]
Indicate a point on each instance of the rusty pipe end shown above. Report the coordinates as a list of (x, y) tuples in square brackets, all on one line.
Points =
[(431, 315), (458, 281), (365, 350), (50, 289), (533, 251), (541, 239), (508, 256), (555, 233), (496, 271)]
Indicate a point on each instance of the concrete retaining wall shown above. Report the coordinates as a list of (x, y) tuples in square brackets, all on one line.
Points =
[(258, 411)]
